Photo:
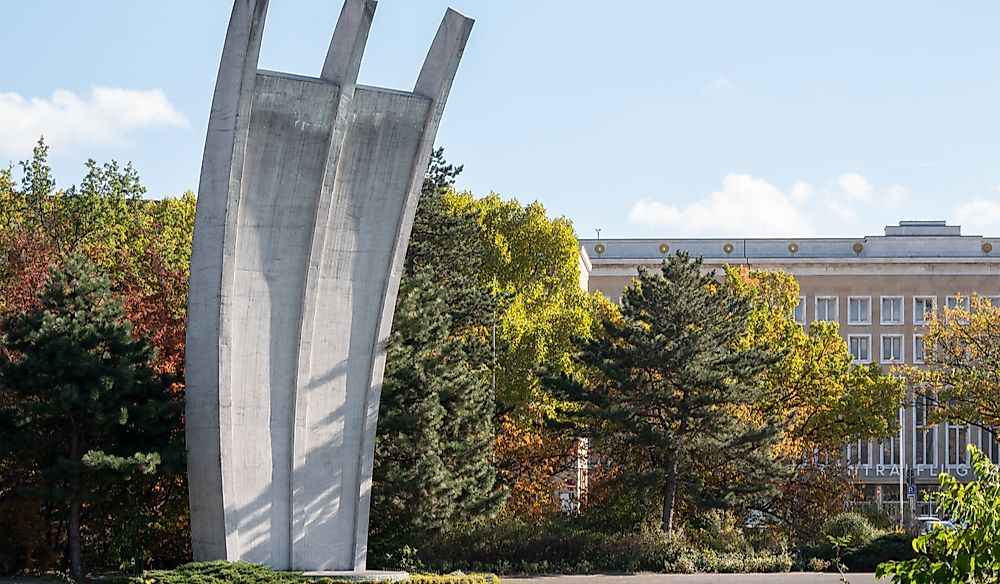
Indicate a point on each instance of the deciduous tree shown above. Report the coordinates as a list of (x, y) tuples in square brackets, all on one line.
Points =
[(826, 399), (88, 407), (961, 371)]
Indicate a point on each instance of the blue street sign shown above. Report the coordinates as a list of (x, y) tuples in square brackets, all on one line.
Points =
[(911, 490)]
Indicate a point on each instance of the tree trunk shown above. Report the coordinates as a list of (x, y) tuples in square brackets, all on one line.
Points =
[(75, 505), (75, 557), (669, 496)]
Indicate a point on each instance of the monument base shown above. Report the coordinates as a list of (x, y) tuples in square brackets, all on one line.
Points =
[(360, 575)]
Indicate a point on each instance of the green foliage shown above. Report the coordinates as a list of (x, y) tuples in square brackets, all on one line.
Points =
[(718, 530), (564, 547), (433, 465), (970, 553), (435, 424), (961, 368), (884, 547), (675, 395), (247, 573), (533, 261), (825, 398), (854, 527), (23, 537), (86, 410)]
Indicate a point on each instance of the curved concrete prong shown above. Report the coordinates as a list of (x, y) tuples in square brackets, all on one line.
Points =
[(441, 63), (308, 192), (343, 59), (208, 412)]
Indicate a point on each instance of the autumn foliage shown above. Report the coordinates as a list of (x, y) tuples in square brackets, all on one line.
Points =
[(143, 247)]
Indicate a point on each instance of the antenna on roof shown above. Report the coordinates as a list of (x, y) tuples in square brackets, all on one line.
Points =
[(598, 230)]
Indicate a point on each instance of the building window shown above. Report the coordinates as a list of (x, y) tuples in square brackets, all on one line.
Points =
[(953, 302), (918, 349), (993, 301), (989, 445), (859, 453), (889, 451), (892, 348), (859, 310), (892, 310), (925, 445), (923, 308), (861, 347), (826, 308), (799, 312), (956, 442)]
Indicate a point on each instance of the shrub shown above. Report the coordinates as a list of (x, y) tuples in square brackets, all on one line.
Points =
[(217, 573), (513, 547), (850, 525), (717, 530), (891, 546), (967, 553), (23, 534), (817, 565), (247, 573)]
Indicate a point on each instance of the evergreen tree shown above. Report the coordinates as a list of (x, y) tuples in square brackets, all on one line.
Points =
[(433, 464), (667, 382), (85, 408), (435, 425)]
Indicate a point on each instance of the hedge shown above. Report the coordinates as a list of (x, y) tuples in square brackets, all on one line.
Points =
[(247, 573)]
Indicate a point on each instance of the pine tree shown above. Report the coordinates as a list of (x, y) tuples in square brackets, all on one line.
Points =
[(433, 466), (86, 408), (435, 425), (667, 382)]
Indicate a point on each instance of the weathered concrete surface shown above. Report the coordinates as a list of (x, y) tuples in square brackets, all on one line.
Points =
[(308, 192)]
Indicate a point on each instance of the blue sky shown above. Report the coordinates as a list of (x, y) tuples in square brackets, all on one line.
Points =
[(647, 118)]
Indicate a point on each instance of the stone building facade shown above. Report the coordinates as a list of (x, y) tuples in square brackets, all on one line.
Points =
[(879, 289)]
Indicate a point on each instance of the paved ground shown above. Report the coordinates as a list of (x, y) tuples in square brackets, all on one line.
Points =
[(793, 578)]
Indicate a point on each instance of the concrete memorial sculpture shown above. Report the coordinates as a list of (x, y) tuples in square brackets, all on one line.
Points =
[(308, 192)]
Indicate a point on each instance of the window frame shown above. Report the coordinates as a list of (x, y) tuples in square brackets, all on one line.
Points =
[(902, 349), (836, 309), (801, 304), (855, 359), (923, 434), (920, 313), (919, 338), (869, 316), (902, 311), (966, 304), (855, 449)]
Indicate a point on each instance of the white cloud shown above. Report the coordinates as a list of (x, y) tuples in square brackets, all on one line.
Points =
[(721, 85), (801, 191), (67, 120), (744, 207), (896, 194), (980, 215), (855, 186), (750, 207)]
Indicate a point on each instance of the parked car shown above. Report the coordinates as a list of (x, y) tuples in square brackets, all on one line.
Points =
[(928, 523)]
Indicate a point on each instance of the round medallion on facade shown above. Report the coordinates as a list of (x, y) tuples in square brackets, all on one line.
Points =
[(664, 248), (987, 247), (728, 248), (599, 248), (793, 247), (858, 248)]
